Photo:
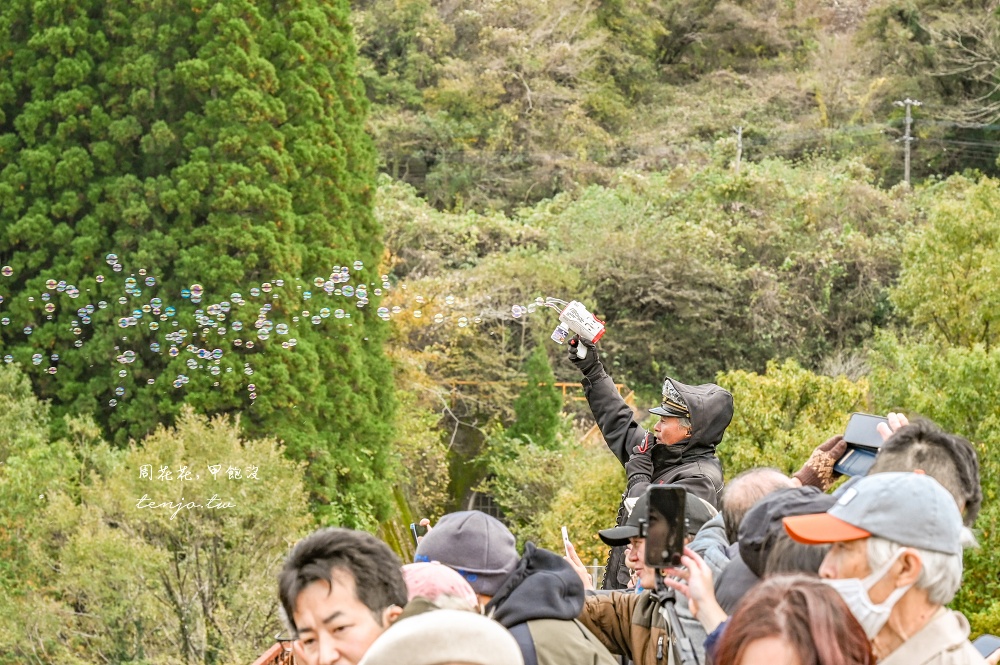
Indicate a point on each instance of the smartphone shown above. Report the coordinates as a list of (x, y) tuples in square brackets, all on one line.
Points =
[(566, 543), (863, 444), (418, 532), (986, 644), (664, 527), (862, 430)]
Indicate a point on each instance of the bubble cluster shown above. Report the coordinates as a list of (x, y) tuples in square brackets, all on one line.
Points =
[(191, 332)]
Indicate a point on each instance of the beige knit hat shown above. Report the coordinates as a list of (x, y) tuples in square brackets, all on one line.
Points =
[(445, 636)]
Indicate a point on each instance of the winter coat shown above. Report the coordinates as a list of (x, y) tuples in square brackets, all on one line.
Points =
[(692, 464), (631, 625), (539, 604)]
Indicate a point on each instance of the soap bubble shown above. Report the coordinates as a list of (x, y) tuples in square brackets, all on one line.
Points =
[(237, 326), (359, 265), (150, 281), (36, 359), (449, 300), (122, 373), (417, 314), (382, 311), (338, 314), (100, 279), (477, 320), (254, 292), (439, 318), (281, 329), (516, 311), (117, 267), (119, 391), (5, 321), (51, 284), (197, 290), (463, 322), (348, 291), (112, 402), (397, 309), (8, 358), (154, 347), (130, 283), (420, 300), (6, 271), (316, 320), (27, 330), (185, 293), (266, 287), (50, 307), (127, 357), (111, 259)]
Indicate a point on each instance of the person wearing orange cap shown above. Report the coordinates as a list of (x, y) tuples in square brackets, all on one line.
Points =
[(896, 560)]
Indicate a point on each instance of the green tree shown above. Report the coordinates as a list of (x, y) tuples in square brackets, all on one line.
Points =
[(539, 405), (783, 413), (96, 570), (948, 284), (218, 144)]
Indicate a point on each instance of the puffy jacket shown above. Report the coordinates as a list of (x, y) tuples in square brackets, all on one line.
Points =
[(631, 625), (692, 464), (539, 604)]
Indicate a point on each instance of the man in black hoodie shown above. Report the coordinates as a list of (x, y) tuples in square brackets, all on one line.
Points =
[(537, 597), (679, 451), (681, 448)]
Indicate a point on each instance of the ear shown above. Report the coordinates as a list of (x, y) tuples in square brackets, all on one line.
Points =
[(390, 614), (911, 565)]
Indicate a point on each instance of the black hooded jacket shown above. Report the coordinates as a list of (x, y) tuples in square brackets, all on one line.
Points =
[(691, 464), (539, 603)]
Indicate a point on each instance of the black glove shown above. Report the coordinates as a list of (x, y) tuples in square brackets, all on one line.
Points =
[(639, 468), (591, 364)]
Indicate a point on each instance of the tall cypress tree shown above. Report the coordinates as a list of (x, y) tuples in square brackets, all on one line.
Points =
[(539, 405), (214, 145)]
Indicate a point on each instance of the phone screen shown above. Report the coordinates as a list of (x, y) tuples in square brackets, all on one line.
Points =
[(665, 526), (417, 532), (861, 430), (566, 543), (986, 644)]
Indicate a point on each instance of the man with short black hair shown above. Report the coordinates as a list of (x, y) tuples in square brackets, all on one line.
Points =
[(339, 589), (948, 458)]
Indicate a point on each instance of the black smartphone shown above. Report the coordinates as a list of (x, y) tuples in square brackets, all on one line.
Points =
[(862, 430), (664, 528), (863, 444), (418, 532), (986, 644)]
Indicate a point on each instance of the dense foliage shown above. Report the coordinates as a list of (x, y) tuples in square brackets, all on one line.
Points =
[(215, 144), (490, 105), (92, 573)]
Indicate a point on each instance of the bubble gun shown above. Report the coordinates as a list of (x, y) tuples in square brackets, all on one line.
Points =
[(574, 317)]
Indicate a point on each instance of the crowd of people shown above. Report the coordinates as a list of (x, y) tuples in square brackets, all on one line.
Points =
[(776, 569)]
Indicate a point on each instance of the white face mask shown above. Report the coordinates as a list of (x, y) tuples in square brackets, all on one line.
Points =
[(854, 591)]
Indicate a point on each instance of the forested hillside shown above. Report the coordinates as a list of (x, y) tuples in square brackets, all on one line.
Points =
[(492, 105)]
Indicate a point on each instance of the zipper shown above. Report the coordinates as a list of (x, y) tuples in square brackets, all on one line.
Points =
[(659, 648)]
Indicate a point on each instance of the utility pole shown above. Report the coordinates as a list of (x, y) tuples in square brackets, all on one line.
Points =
[(739, 147), (907, 138)]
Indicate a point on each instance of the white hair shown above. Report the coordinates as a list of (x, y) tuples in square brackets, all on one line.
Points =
[(940, 573)]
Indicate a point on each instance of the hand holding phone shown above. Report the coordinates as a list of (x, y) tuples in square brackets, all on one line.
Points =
[(418, 531), (566, 544)]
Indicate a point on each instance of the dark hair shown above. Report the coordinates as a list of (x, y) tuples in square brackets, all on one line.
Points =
[(803, 611), (373, 566), (745, 490), (787, 556), (947, 458)]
